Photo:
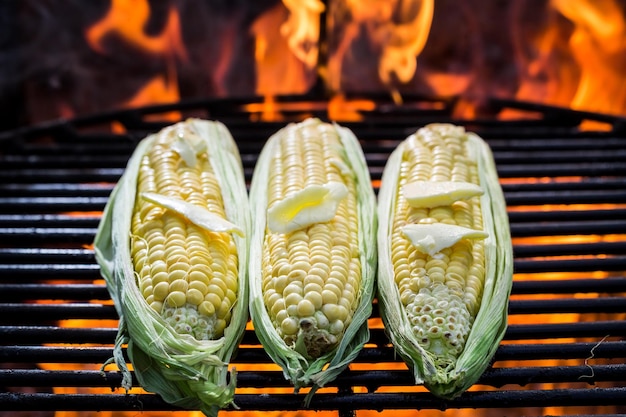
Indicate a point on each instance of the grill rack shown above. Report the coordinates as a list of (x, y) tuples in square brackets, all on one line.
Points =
[(56, 177)]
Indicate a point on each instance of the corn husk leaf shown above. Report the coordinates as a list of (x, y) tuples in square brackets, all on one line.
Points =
[(186, 372), (491, 321), (300, 370)]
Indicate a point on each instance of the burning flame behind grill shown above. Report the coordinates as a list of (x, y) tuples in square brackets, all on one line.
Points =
[(564, 53)]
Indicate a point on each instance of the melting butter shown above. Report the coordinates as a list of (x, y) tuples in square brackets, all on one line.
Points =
[(199, 216), (432, 238), (438, 193), (313, 204)]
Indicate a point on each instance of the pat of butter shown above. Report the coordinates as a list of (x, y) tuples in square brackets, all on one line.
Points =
[(312, 204), (188, 145), (197, 215), (432, 238), (438, 193)]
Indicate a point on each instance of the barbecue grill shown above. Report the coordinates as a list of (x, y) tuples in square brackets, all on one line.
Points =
[(566, 192)]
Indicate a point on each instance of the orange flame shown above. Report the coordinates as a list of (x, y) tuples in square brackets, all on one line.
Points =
[(302, 29), (126, 20), (583, 67), (398, 30), (286, 58), (579, 65), (598, 44)]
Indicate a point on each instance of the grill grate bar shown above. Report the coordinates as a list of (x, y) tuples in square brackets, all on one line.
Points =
[(27, 313), (562, 228), (57, 189), (563, 170), (517, 216), (602, 285), (85, 219), (38, 291), (591, 196), (13, 292), (511, 189), (37, 235), (54, 334), (43, 176), (576, 350), (595, 248), (80, 272), (538, 398), (558, 154), (111, 175), (85, 203), (50, 271), (44, 204), (570, 265), (323, 401), (49, 354), (55, 255), (564, 330), (47, 312), (517, 351), (568, 305), (371, 379), (530, 215), (86, 256)]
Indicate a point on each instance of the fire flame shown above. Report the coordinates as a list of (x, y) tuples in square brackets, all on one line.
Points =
[(286, 48), (302, 29), (127, 20), (582, 67), (557, 52), (574, 57), (598, 44), (398, 29)]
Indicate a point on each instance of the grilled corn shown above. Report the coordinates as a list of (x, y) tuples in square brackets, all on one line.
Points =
[(313, 251), (445, 256), (172, 245)]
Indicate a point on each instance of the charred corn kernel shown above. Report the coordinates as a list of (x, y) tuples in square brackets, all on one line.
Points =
[(445, 256), (183, 202), (314, 212)]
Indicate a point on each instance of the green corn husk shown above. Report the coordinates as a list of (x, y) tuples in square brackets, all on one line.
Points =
[(301, 370), (491, 320), (184, 371)]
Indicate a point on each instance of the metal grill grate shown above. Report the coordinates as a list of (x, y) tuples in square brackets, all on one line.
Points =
[(566, 193)]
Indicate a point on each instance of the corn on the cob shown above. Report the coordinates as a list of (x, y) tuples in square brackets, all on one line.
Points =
[(312, 251), (445, 256), (172, 245)]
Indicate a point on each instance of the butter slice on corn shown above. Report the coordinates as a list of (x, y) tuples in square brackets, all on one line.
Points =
[(313, 251), (445, 256), (172, 245)]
